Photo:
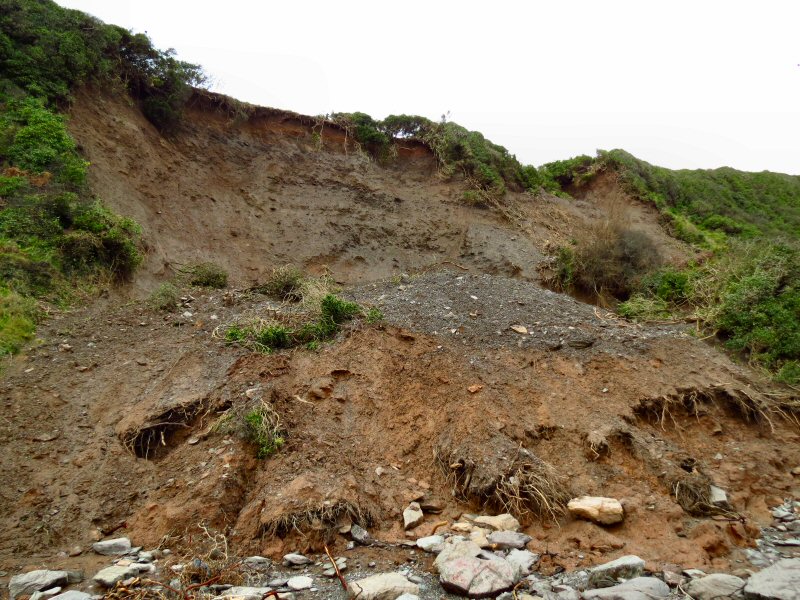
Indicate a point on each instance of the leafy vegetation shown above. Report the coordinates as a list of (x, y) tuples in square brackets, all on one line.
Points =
[(55, 236), (263, 428), (207, 274), (46, 51), (746, 293), (486, 166), (164, 297), (331, 314), (285, 283)]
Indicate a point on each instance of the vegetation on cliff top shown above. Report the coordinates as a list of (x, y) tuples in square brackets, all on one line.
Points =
[(55, 236)]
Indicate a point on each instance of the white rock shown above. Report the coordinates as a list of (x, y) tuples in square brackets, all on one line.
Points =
[(412, 516), (522, 561), (605, 511), (717, 586), (407, 597), (301, 582), (113, 547), (35, 581), (504, 522), (431, 543), (296, 560), (476, 578), (625, 567), (244, 593), (639, 588), (72, 595), (452, 551), (386, 586), (781, 581), (717, 496), (508, 539), (109, 576)]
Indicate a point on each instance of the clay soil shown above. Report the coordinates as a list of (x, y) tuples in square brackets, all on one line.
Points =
[(119, 418)]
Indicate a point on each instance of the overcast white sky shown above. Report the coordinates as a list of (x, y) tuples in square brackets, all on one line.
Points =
[(683, 84)]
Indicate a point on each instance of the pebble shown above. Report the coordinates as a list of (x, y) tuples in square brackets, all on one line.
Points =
[(295, 560), (625, 567)]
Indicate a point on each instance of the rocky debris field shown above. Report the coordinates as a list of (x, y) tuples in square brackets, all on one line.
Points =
[(491, 311), (480, 556)]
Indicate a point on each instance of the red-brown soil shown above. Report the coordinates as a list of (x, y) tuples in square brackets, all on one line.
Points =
[(615, 408)]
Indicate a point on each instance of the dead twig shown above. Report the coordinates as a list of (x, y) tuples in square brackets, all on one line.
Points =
[(336, 568)]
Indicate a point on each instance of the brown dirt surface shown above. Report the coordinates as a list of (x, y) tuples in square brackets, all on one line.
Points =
[(125, 415)]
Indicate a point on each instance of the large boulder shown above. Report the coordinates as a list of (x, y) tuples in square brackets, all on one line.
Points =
[(718, 586), (477, 578), (386, 586), (452, 551), (26, 584), (115, 547), (607, 574), (638, 588), (781, 581), (605, 511)]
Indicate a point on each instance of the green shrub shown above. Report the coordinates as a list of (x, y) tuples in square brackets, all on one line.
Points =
[(263, 428), (640, 307), (338, 310), (374, 315), (273, 337), (207, 275), (164, 297), (236, 334), (613, 261)]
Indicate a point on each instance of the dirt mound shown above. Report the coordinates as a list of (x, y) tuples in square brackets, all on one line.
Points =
[(384, 416), (479, 391)]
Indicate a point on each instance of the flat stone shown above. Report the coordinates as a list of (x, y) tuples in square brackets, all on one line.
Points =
[(508, 539), (412, 516), (386, 586), (452, 551), (45, 594), (638, 588), (522, 561), (115, 547), (26, 584), (625, 567), (431, 543), (504, 522), (296, 560), (72, 595), (787, 542), (694, 573), (717, 496), (301, 582), (605, 511), (109, 576), (407, 597), (477, 578), (244, 593), (781, 581), (717, 586)]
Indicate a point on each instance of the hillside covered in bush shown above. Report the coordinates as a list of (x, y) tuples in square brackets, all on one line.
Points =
[(745, 289)]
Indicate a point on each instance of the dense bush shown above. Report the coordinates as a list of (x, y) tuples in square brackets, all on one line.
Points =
[(749, 297), (207, 274), (487, 166), (611, 262), (47, 50)]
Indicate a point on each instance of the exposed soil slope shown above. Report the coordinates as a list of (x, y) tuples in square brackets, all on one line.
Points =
[(118, 416)]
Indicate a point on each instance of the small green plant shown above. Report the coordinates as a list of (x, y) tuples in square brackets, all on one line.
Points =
[(164, 297), (374, 315), (338, 310), (263, 428), (273, 337), (236, 334), (207, 274), (285, 283)]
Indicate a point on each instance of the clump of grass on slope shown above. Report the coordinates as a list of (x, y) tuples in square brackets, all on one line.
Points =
[(307, 328)]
